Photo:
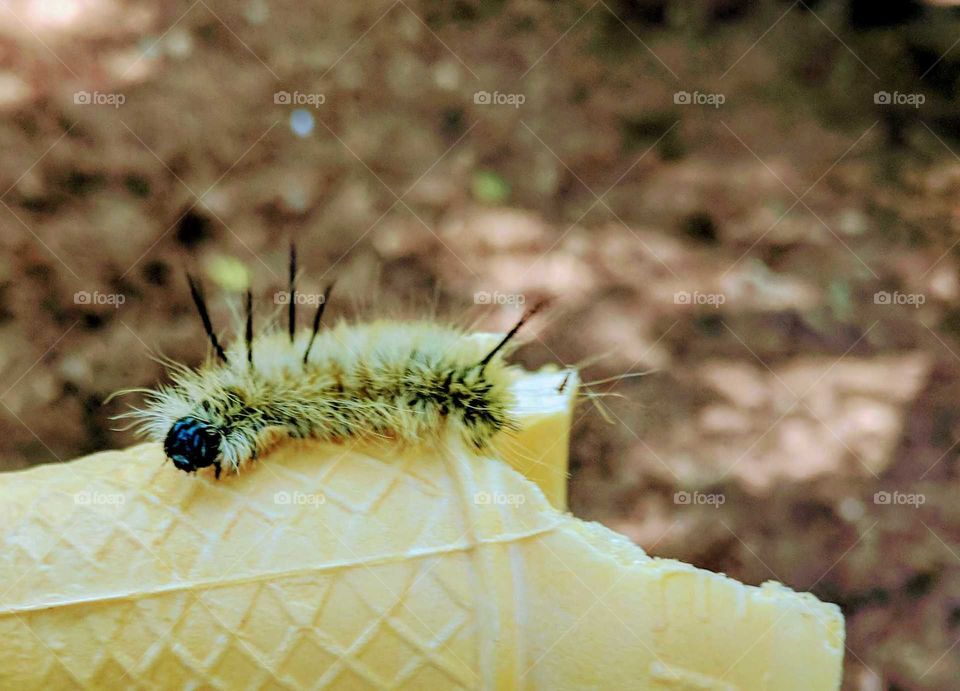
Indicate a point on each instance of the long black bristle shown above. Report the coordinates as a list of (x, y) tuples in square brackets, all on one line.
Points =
[(513, 332), (316, 320), (249, 332), (292, 293), (197, 293)]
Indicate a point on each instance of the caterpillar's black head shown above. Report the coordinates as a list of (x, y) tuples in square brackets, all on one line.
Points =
[(193, 444)]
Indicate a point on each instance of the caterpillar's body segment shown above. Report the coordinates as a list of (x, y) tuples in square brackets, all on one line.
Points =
[(407, 381)]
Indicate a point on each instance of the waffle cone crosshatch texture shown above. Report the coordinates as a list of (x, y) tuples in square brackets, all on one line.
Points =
[(359, 566), (405, 344)]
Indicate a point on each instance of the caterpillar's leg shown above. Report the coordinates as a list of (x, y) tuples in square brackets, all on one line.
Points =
[(216, 470)]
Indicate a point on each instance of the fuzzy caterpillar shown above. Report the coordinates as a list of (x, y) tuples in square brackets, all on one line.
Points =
[(408, 381)]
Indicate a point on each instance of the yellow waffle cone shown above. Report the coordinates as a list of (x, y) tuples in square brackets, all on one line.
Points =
[(335, 566)]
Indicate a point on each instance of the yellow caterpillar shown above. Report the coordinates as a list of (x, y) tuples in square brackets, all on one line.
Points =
[(407, 381)]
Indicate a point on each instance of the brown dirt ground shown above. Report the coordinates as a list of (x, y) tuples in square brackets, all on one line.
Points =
[(796, 400)]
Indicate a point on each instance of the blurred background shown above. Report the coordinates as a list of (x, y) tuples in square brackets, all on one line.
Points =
[(757, 201)]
